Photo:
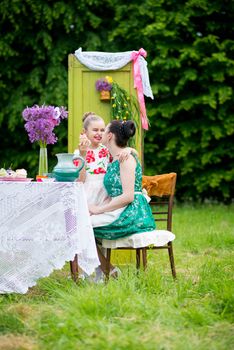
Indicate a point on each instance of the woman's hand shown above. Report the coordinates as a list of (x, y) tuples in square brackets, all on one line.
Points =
[(94, 209)]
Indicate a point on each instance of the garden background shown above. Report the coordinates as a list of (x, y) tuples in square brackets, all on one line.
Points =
[(190, 50)]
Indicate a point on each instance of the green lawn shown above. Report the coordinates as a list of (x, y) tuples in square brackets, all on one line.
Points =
[(149, 311)]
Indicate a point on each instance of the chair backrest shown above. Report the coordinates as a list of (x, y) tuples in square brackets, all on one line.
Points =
[(161, 189)]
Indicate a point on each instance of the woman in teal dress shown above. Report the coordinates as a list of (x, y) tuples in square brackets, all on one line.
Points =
[(128, 211), (135, 217)]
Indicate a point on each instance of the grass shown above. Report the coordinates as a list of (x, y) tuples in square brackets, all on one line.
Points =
[(148, 311)]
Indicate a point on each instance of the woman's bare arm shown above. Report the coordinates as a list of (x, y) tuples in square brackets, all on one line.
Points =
[(127, 175)]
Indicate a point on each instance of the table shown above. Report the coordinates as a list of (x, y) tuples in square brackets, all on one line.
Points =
[(42, 225)]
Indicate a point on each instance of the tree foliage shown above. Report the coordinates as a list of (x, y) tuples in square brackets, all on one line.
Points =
[(190, 51)]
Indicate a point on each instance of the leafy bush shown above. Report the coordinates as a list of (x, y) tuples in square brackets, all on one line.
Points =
[(190, 50)]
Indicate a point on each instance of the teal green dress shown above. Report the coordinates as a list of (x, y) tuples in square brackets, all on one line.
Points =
[(136, 217)]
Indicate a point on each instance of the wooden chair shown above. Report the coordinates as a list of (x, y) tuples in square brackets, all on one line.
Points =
[(161, 189), (74, 268)]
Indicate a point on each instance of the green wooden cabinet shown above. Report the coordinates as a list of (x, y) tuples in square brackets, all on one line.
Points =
[(83, 97)]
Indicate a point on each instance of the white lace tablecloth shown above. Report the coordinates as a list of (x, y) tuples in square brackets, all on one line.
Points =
[(42, 225)]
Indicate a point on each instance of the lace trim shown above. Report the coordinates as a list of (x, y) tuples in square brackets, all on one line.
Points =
[(50, 225), (104, 61)]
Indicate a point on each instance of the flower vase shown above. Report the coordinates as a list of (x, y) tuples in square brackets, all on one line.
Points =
[(43, 161), (105, 95)]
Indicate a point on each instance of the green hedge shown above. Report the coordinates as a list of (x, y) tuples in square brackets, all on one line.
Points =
[(190, 50)]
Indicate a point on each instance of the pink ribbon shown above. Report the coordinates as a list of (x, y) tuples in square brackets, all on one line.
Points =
[(138, 85)]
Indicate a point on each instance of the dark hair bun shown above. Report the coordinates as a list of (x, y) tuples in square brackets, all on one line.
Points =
[(122, 130), (129, 128)]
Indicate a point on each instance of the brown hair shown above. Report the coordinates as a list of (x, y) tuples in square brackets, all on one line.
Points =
[(89, 117), (122, 130)]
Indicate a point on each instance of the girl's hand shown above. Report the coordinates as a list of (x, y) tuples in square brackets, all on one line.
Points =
[(84, 140), (124, 155), (94, 209), (84, 144)]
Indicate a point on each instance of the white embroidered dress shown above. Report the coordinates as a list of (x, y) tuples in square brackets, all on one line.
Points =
[(97, 161)]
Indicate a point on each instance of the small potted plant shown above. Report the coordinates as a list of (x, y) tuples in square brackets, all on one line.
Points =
[(104, 85)]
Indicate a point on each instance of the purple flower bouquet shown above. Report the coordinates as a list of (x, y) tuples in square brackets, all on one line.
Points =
[(41, 121), (40, 124), (103, 84)]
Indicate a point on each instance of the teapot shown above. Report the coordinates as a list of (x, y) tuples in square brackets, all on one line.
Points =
[(65, 170)]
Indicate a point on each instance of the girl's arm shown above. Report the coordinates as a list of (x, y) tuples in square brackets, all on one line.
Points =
[(82, 174), (127, 175), (83, 147)]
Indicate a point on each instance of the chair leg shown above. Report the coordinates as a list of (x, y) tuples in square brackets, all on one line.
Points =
[(74, 268), (108, 258), (144, 258), (138, 258), (171, 257)]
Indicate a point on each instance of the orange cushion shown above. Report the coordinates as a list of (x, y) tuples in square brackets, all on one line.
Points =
[(159, 185)]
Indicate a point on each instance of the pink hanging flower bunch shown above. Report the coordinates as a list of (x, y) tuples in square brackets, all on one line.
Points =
[(41, 121)]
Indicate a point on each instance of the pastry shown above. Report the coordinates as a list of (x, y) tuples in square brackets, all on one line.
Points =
[(21, 173)]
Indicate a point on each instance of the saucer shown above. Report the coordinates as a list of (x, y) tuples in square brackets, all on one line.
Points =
[(15, 179)]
